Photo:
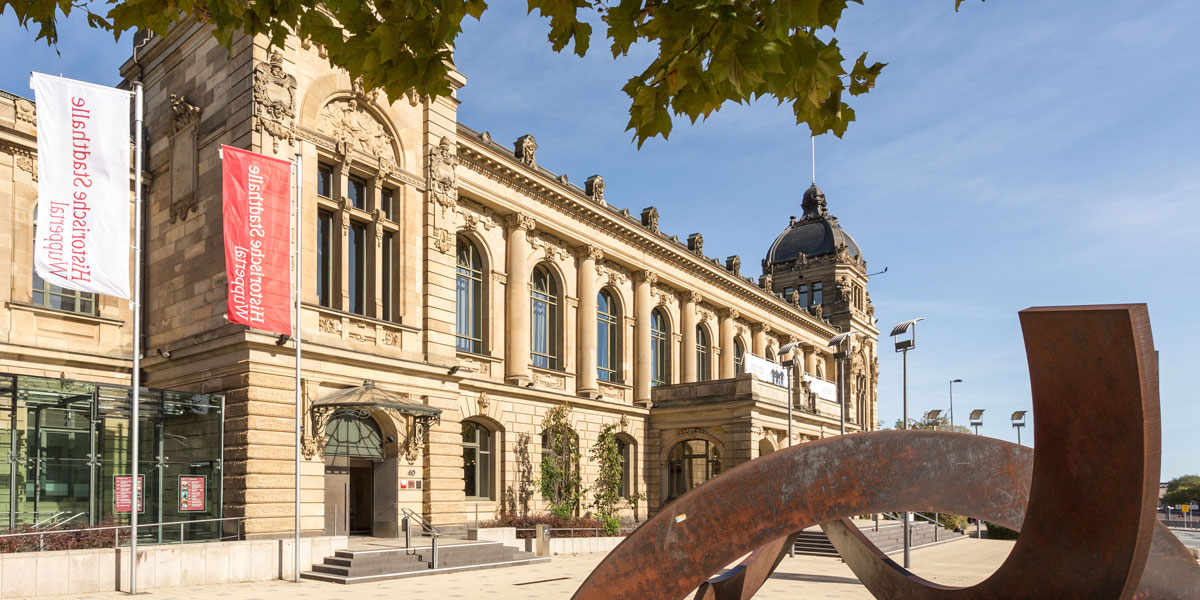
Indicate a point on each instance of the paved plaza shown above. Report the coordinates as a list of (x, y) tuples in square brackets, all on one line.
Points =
[(958, 564)]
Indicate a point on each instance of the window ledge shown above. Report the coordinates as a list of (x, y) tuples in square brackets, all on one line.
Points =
[(63, 313), (341, 313)]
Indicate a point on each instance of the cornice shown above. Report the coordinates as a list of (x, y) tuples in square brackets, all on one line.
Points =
[(495, 164)]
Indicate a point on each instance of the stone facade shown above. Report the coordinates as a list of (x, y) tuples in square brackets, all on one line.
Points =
[(395, 319)]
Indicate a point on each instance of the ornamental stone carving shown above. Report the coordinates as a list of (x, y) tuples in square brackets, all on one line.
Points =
[(275, 101), (361, 92), (518, 221), (590, 252), (695, 243), (525, 149), (25, 161), (765, 282), (624, 422), (734, 264), (553, 247), (666, 296), (443, 240), (354, 129), (185, 120), (645, 276), (650, 218), (616, 274), (844, 290), (183, 115), (484, 401), (443, 187), (26, 111), (476, 216), (729, 313), (594, 186)]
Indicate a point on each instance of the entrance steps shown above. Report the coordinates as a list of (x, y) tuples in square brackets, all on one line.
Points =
[(889, 538), (381, 564)]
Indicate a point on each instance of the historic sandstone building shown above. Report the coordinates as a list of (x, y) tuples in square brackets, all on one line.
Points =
[(453, 292)]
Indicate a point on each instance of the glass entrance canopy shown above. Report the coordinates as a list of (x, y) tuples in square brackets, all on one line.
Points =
[(64, 452)]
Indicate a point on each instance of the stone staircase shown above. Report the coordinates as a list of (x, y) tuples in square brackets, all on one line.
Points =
[(889, 538), (366, 565)]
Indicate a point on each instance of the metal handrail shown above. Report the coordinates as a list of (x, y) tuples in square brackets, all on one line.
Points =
[(117, 529), (410, 516)]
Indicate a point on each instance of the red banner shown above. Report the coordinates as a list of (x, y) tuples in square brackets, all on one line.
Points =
[(257, 202)]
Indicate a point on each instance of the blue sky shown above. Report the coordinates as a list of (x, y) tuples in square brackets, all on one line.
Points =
[(1011, 155)]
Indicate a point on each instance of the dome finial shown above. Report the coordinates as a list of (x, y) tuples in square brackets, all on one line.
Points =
[(814, 203)]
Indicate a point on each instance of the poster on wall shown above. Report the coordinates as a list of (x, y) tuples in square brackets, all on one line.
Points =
[(123, 493), (191, 493)]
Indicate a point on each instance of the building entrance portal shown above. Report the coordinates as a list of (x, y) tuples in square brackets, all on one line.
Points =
[(359, 497)]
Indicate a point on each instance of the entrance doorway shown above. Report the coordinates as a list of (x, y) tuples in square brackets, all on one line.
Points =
[(360, 482)]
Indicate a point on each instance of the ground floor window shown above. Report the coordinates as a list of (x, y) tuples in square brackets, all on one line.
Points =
[(477, 461), (690, 464)]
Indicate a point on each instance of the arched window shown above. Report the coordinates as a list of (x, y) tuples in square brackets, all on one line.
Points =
[(660, 370), (354, 436), (770, 355), (543, 330), (703, 351), (608, 338), (739, 351), (51, 296), (477, 461), (469, 298), (690, 464), (820, 370)]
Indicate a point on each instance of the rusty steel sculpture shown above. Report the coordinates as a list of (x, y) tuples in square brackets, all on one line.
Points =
[(1084, 502)]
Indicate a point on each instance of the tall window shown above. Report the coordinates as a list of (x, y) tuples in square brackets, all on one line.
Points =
[(357, 192), (626, 467), (387, 203), (325, 258), (690, 464), (738, 352), (703, 347), (817, 295), (51, 296), (358, 268), (803, 299), (477, 460), (386, 292), (608, 340), (325, 181), (544, 319), (660, 370), (469, 298)]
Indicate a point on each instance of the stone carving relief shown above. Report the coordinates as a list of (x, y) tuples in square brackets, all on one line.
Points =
[(547, 380), (616, 274), (525, 149), (624, 422), (734, 265), (484, 402), (553, 247), (443, 240), (26, 111), (321, 50), (391, 338), (695, 243), (666, 296), (844, 290), (24, 160), (645, 276), (590, 252), (443, 186), (595, 188), (476, 216), (472, 365), (519, 221), (330, 325), (361, 331), (729, 313), (360, 91), (275, 101), (354, 129), (185, 120), (705, 314), (650, 218)]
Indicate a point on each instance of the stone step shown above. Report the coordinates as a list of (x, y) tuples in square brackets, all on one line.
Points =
[(343, 579), (356, 566)]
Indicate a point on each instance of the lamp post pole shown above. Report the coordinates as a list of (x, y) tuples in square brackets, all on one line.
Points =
[(907, 539), (952, 382), (903, 346)]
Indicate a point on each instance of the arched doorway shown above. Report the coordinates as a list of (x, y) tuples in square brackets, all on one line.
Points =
[(355, 475)]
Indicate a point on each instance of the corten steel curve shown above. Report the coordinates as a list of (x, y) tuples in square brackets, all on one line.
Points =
[(1094, 382)]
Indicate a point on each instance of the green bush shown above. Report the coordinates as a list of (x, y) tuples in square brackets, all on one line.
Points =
[(564, 526), (997, 532)]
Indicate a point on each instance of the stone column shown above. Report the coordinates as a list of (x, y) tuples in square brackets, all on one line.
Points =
[(687, 353), (586, 320), (516, 355), (643, 304), (760, 331), (728, 368)]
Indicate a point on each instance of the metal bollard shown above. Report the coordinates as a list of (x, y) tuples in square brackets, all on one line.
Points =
[(435, 552), (407, 533)]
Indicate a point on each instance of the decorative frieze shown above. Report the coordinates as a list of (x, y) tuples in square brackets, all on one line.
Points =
[(275, 101), (330, 325), (476, 365), (549, 380)]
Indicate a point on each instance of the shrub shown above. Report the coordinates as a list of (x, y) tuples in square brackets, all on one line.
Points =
[(526, 525), (607, 488), (64, 537), (998, 532)]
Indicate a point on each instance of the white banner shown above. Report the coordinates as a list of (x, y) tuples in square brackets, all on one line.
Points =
[(825, 390), (84, 195), (764, 370)]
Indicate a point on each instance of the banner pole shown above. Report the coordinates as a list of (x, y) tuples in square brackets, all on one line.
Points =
[(137, 331), (296, 334)]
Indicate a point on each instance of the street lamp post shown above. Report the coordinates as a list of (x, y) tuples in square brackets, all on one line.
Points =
[(1018, 421), (789, 365), (977, 419), (903, 346), (952, 382)]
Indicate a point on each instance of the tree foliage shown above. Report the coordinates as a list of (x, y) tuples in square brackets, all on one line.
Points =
[(606, 489), (709, 52), (560, 483), (1182, 490), (940, 423)]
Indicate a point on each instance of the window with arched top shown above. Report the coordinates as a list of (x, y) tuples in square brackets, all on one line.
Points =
[(739, 351), (478, 461), (608, 337), (703, 352), (770, 355), (691, 463), (469, 298), (660, 366), (543, 322)]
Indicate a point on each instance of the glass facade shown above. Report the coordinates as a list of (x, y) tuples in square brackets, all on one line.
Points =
[(68, 443)]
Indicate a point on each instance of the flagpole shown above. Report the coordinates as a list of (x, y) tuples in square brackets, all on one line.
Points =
[(137, 330), (296, 335)]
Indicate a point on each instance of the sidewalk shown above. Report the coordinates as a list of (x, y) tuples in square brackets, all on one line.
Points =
[(958, 564)]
